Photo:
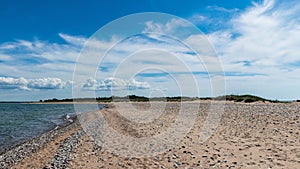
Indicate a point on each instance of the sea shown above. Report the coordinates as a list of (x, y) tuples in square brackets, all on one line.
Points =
[(20, 122)]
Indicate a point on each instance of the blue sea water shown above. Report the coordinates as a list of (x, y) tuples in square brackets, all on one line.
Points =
[(20, 122)]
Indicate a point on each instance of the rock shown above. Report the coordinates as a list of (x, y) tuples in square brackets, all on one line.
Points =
[(212, 164)]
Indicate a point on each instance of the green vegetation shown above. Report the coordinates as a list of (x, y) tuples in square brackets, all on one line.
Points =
[(241, 98), (57, 100), (134, 98)]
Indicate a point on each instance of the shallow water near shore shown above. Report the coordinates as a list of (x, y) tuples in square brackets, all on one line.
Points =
[(20, 122)]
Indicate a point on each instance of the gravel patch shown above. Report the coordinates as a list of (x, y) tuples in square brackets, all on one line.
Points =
[(18, 153), (62, 158)]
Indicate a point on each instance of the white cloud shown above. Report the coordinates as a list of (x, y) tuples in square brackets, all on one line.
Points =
[(168, 28), (222, 9), (29, 58), (134, 84), (90, 83), (114, 84), (4, 57), (26, 44), (263, 39), (32, 84), (13, 83), (75, 40), (6, 46), (198, 19), (264, 34), (47, 83)]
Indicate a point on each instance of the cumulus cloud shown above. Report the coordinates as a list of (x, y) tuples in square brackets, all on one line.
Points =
[(32, 84), (47, 83), (13, 83), (114, 84)]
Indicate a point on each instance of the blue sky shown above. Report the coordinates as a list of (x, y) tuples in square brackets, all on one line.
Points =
[(256, 42), (44, 20)]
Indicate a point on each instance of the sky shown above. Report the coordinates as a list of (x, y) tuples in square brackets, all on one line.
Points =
[(251, 45)]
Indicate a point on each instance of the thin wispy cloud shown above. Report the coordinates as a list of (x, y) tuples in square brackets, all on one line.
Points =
[(29, 58), (222, 9), (265, 37), (198, 19), (74, 40)]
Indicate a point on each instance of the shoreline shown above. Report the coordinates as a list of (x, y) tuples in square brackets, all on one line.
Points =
[(18, 152), (65, 123)]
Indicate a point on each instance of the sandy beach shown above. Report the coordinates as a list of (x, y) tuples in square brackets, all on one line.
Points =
[(256, 135)]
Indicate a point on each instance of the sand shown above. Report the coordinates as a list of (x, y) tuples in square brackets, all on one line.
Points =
[(256, 135)]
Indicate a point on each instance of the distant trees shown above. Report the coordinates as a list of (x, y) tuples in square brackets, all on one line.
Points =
[(54, 100), (241, 98), (135, 98)]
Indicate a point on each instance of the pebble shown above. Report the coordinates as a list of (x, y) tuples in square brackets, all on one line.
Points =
[(212, 164), (19, 152), (62, 157)]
